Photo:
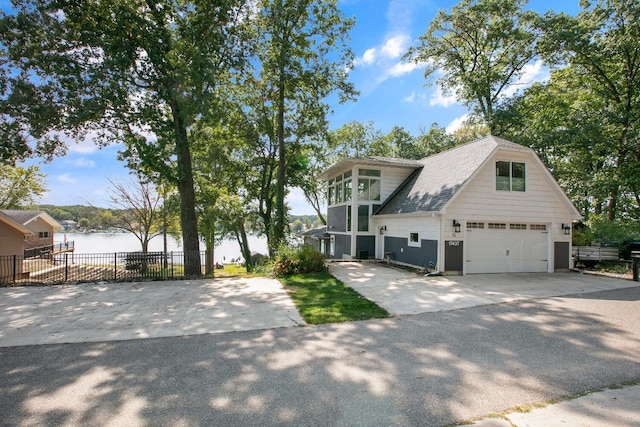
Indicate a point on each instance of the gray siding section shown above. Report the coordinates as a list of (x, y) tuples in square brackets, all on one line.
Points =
[(366, 243), (337, 218), (343, 245), (418, 256)]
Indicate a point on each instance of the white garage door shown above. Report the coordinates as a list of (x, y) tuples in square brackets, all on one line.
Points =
[(506, 248)]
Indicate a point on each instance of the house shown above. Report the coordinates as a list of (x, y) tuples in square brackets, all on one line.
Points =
[(12, 235), (41, 227), (317, 238), (489, 206)]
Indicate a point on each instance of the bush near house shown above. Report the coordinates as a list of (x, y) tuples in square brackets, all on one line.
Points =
[(298, 261)]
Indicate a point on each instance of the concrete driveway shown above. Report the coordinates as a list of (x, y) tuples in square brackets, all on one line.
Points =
[(124, 311), (402, 292)]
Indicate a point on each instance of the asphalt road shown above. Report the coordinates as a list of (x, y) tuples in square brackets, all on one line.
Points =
[(429, 369)]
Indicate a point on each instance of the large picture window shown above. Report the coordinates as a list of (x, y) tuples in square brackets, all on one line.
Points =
[(368, 188), (363, 218), (339, 189), (510, 176)]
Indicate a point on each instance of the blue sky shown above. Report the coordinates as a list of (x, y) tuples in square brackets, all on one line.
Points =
[(391, 93)]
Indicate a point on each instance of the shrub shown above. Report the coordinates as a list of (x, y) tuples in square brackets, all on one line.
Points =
[(298, 261)]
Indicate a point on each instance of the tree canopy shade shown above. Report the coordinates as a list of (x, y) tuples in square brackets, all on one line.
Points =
[(481, 48), (120, 70), (600, 47)]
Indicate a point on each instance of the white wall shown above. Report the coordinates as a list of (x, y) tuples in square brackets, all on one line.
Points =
[(427, 226)]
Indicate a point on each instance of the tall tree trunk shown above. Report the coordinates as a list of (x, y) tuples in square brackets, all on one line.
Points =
[(279, 225), (188, 219), (241, 236)]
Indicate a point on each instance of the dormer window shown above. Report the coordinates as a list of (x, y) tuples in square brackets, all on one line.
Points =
[(510, 176)]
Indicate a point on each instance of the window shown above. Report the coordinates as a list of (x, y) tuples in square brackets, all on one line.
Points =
[(347, 190), (471, 225), (497, 226), (43, 234), (510, 176), (517, 226), (414, 239), (363, 218), (339, 189), (538, 227), (368, 188), (368, 172), (348, 217), (332, 245)]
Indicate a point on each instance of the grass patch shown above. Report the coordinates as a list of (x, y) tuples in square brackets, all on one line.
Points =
[(231, 270), (321, 298)]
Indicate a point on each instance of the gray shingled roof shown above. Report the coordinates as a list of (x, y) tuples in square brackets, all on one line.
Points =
[(430, 188), (24, 217)]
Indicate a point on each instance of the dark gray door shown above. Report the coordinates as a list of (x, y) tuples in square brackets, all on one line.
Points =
[(561, 255), (453, 257)]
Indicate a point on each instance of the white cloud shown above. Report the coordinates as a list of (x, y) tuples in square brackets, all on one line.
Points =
[(531, 73), (369, 56), (456, 123), (81, 162), (395, 46), (439, 98), (411, 98), (402, 68), (66, 178)]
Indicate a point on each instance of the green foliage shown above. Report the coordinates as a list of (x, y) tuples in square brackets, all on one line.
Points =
[(604, 230), (581, 237), (20, 186), (480, 48), (321, 298), (298, 261)]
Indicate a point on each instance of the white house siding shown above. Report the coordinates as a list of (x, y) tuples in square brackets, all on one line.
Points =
[(391, 179), (539, 204), (427, 227)]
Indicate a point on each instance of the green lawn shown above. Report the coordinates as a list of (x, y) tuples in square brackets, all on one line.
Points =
[(321, 298)]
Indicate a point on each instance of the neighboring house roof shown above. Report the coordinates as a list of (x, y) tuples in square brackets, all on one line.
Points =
[(368, 161), (14, 224), (25, 217), (317, 232), (442, 176)]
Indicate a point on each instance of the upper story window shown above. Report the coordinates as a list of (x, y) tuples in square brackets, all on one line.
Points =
[(368, 184), (510, 176), (339, 189)]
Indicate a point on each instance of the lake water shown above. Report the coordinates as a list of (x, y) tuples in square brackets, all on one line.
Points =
[(89, 243)]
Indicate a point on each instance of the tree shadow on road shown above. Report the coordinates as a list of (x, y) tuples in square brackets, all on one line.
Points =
[(429, 369)]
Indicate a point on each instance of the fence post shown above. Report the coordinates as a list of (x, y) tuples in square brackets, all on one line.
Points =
[(66, 267), (15, 267), (172, 264), (635, 265), (115, 266)]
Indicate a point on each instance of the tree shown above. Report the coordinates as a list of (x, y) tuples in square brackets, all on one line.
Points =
[(601, 48), (303, 58), (139, 205), (20, 186), (132, 70), (481, 48)]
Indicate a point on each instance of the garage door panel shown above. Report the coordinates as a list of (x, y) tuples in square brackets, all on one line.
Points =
[(506, 251)]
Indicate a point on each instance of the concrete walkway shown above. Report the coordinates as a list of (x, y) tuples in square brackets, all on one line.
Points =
[(402, 292), (608, 408), (124, 311)]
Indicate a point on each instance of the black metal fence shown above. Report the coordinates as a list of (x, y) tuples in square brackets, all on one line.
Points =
[(115, 266), (49, 249)]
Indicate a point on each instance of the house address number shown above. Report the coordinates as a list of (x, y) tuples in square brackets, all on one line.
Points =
[(454, 242)]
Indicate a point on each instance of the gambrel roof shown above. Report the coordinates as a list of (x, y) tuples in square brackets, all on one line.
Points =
[(432, 186)]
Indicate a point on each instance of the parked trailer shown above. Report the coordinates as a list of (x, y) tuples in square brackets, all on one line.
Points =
[(594, 254)]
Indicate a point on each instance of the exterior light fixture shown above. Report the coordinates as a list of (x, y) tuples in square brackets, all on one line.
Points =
[(456, 226), (566, 228)]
